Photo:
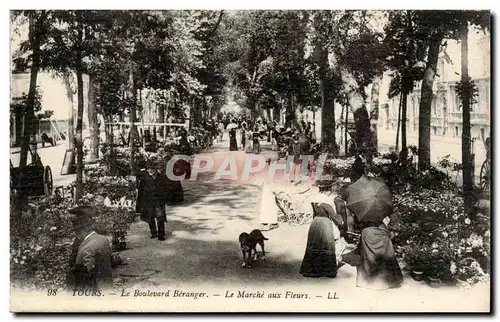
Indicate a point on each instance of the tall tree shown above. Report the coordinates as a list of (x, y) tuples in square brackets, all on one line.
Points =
[(434, 27), (358, 57), (407, 52), (468, 93), (92, 117), (424, 118), (69, 84), (38, 29), (374, 111), (467, 96)]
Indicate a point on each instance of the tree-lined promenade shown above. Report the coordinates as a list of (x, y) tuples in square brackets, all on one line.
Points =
[(164, 78), (274, 59)]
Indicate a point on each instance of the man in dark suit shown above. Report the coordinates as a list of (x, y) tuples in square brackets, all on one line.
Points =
[(161, 185), (91, 268), (147, 201)]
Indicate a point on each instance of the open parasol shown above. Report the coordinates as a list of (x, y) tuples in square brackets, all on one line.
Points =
[(370, 199), (231, 126)]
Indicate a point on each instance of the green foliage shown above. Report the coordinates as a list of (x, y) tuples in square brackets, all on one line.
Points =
[(467, 90), (437, 237), (22, 105), (406, 52), (40, 239)]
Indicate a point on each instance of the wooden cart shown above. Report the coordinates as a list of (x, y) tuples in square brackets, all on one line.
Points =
[(34, 179)]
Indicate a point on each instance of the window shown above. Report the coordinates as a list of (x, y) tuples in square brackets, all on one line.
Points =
[(458, 103), (456, 130), (434, 105), (482, 134), (434, 130)]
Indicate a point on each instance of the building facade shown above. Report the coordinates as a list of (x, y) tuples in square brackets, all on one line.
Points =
[(54, 97), (446, 114)]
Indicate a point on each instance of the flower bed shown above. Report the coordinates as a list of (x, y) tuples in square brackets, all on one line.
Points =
[(42, 234), (434, 235), (439, 239)]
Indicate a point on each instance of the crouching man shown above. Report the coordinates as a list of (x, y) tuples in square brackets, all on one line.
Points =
[(91, 269)]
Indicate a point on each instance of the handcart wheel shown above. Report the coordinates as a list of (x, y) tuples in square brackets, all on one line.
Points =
[(485, 176), (47, 181)]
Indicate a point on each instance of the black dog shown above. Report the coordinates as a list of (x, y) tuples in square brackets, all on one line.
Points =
[(248, 243)]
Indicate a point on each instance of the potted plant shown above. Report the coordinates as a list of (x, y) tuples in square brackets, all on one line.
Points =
[(416, 256), (438, 268)]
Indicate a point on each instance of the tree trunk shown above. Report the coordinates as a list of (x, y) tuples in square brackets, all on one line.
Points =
[(375, 93), (92, 114), (111, 143), (108, 129), (133, 128), (276, 114), (404, 147), (161, 113), (71, 112), (79, 118), (327, 104), (341, 129), (345, 129), (29, 114), (468, 170), (143, 139), (424, 119), (289, 112), (358, 108), (398, 129)]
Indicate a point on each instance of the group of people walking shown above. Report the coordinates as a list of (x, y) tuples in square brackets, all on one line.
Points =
[(250, 136)]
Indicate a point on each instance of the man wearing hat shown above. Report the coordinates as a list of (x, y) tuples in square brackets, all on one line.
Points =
[(147, 201), (92, 265)]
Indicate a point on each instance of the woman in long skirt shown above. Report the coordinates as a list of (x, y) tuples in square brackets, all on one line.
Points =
[(268, 209), (320, 259), (233, 144), (248, 141), (379, 268), (256, 142)]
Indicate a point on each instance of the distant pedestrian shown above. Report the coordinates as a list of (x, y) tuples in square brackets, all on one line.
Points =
[(233, 144), (255, 140), (358, 168)]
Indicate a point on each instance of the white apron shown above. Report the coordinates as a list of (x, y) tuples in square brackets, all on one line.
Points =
[(268, 207)]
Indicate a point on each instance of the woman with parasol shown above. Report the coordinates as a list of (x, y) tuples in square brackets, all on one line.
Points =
[(320, 258), (371, 202)]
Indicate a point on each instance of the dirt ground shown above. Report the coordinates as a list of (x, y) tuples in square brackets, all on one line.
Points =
[(201, 252)]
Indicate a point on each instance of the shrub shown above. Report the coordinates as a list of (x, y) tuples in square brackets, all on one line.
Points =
[(435, 234), (41, 235)]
